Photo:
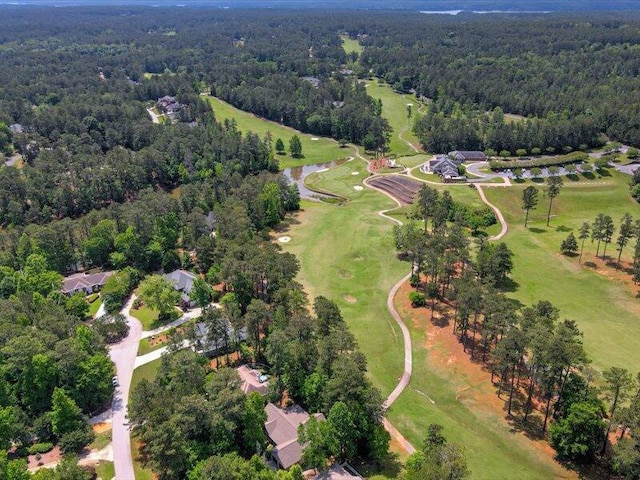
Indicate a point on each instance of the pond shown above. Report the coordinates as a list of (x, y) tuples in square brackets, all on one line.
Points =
[(298, 174)]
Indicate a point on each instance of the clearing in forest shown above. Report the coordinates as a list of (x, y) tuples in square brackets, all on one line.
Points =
[(396, 110), (314, 149)]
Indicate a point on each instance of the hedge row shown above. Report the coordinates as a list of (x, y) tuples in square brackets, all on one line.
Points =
[(574, 157)]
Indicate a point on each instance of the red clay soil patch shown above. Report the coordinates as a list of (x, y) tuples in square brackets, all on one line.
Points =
[(222, 360), (449, 361), (607, 268), (54, 455), (101, 427)]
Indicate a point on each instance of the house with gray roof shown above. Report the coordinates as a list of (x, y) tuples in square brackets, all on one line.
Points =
[(468, 156), (182, 281), (446, 167), (83, 282), (211, 344), (282, 429)]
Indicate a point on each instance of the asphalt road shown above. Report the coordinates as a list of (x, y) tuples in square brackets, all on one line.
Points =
[(123, 354)]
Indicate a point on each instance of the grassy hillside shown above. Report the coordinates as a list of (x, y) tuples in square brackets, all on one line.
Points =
[(597, 296), (320, 150)]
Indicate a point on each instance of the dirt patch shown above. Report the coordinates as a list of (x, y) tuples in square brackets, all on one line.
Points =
[(350, 299), (51, 457), (101, 427), (224, 360), (470, 379), (345, 274)]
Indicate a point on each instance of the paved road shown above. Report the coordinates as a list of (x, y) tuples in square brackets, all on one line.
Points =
[(406, 337), (408, 357), (123, 354)]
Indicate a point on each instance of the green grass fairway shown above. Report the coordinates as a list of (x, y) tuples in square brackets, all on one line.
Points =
[(491, 450), (314, 151), (347, 255), (349, 45), (394, 109), (605, 309)]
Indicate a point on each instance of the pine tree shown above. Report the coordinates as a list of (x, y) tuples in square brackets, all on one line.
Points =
[(529, 201), (626, 232), (584, 234)]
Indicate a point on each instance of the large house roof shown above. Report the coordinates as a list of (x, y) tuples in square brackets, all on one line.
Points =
[(82, 281), (181, 280), (282, 428), (469, 155)]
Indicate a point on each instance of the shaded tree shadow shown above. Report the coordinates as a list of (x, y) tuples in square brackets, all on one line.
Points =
[(389, 466), (443, 319), (573, 177), (603, 172), (563, 228), (537, 230), (537, 180), (590, 265), (588, 175), (509, 285), (570, 254), (519, 180), (516, 303), (592, 471)]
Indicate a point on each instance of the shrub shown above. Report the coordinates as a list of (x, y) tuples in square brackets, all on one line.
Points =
[(76, 440), (39, 448), (575, 157), (417, 299)]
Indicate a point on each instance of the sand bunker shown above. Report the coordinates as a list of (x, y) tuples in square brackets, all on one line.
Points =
[(315, 139), (349, 299), (357, 187), (355, 173), (284, 239)]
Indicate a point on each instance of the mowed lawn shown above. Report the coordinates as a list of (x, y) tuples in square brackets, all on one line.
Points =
[(394, 109), (347, 254), (314, 151), (605, 308), (350, 45)]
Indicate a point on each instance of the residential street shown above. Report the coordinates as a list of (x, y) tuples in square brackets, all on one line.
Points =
[(123, 354)]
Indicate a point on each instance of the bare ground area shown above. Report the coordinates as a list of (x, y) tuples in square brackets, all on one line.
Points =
[(471, 379)]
